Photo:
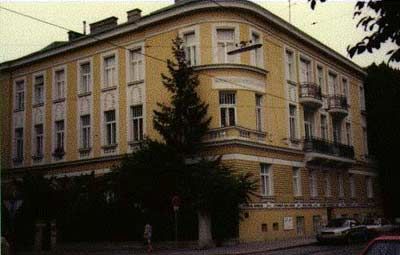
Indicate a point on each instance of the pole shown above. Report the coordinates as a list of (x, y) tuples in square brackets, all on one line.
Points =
[(176, 228)]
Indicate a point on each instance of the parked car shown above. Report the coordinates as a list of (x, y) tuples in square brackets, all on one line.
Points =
[(342, 229), (377, 226), (383, 245)]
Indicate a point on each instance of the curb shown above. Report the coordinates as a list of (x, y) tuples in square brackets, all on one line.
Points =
[(267, 250)]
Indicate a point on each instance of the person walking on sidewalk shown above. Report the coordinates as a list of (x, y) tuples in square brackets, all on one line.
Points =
[(148, 231)]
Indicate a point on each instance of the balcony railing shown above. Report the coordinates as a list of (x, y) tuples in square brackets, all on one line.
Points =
[(319, 145), (337, 104), (310, 95), (235, 132)]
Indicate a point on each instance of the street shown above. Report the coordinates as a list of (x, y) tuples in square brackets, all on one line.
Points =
[(354, 249)]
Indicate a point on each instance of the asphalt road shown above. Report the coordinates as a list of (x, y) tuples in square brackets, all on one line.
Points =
[(353, 249)]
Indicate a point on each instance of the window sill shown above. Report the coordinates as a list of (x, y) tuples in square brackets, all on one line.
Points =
[(84, 94), (267, 198), (85, 150), (292, 82), (38, 105), (294, 140), (37, 157), (299, 198), (18, 110), (231, 66), (17, 160), (108, 88), (109, 146), (58, 100), (131, 83)]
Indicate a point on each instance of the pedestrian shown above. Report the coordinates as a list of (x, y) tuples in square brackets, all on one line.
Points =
[(148, 231)]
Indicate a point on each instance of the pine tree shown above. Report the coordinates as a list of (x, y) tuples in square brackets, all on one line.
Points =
[(184, 122)]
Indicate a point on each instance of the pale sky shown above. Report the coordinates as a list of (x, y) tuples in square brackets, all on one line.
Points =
[(20, 36)]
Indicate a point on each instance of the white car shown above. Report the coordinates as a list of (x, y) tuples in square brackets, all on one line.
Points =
[(342, 229), (379, 226)]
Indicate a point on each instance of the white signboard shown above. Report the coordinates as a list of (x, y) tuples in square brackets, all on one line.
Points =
[(288, 223)]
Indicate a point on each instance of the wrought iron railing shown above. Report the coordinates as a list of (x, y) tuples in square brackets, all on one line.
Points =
[(319, 145), (337, 102), (310, 90)]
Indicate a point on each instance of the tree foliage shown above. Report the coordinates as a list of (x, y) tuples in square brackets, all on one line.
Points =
[(381, 20), (184, 121)]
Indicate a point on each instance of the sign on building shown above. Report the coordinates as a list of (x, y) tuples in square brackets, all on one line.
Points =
[(288, 223)]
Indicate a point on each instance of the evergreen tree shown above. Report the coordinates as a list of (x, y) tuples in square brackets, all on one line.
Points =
[(184, 122)]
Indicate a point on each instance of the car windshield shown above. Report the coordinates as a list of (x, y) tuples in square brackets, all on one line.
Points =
[(384, 248), (336, 223)]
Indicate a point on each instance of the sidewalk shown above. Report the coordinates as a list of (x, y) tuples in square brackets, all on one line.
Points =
[(134, 248)]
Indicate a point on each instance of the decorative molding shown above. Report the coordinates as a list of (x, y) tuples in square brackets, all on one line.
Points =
[(224, 66), (366, 173), (238, 83), (304, 205)]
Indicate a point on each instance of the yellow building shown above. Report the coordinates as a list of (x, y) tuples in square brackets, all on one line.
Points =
[(290, 111)]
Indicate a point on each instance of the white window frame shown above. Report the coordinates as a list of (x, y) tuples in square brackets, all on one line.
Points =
[(236, 31), (296, 120), (327, 184), (293, 71), (226, 107), (321, 83), (19, 154), (349, 133), (326, 134), (334, 89), (90, 75), (113, 125), (259, 112), (266, 177), (257, 55), (370, 187), (37, 137), (132, 119), (195, 45), (296, 175), (313, 183), (129, 64), (56, 82), (352, 185), (85, 129), (310, 73), (362, 97), (310, 123), (36, 100), (58, 133), (19, 105), (346, 89), (104, 56), (364, 134)]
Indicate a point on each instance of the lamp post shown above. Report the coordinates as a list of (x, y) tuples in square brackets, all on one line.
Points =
[(176, 201)]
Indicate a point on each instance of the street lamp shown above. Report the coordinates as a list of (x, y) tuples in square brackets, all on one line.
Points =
[(176, 202)]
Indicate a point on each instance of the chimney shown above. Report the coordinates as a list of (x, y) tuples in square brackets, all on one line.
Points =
[(103, 25), (73, 35), (134, 15)]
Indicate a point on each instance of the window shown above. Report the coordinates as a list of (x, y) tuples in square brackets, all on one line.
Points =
[(227, 104), (259, 124), (362, 98), (313, 183), (264, 227), (337, 131), (137, 122), (352, 186), (300, 226), (320, 78), (292, 121), (85, 78), (110, 128), (109, 78), (296, 182), (225, 43), (59, 78), (19, 143), (85, 132), (38, 90), (136, 70), (324, 127), (305, 71), (275, 226), (370, 187), (189, 40), (346, 89), (340, 185), (38, 140), (266, 180), (364, 134), (348, 133), (292, 91), (59, 135), (333, 85), (316, 223), (290, 75), (19, 95), (327, 185), (308, 123), (256, 57)]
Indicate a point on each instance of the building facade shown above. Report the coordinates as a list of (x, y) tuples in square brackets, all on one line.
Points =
[(292, 111)]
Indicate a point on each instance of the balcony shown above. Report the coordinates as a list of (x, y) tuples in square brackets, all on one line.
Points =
[(324, 151), (234, 132), (337, 105), (310, 95)]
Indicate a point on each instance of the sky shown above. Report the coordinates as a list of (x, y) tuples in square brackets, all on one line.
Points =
[(331, 23)]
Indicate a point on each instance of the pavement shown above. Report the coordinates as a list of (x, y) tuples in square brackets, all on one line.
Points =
[(168, 249)]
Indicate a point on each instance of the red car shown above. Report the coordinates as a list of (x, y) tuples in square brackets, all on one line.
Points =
[(383, 245)]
